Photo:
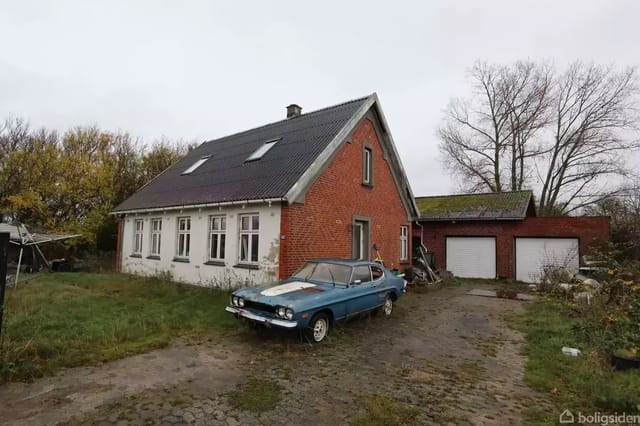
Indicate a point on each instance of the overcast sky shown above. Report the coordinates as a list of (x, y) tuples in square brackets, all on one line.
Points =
[(199, 70)]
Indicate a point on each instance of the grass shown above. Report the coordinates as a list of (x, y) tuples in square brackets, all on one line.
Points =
[(504, 285), (471, 371), (490, 346), (257, 396), (384, 410), (586, 383), (71, 319)]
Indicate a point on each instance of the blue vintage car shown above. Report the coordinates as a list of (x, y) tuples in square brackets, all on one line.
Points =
[(322, 292)]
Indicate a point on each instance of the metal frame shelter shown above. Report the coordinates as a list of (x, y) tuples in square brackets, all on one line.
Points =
[(23, 238)]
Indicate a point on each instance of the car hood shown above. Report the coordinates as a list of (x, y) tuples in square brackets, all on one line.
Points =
[(289, 293)]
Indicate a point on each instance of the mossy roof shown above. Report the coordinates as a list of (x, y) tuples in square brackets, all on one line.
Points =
[(489, 206)]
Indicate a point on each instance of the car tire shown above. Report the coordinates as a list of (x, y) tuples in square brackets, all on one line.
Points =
[(387, 306), (318, 328)]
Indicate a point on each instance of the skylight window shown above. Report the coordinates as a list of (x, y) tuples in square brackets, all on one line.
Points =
[(195, 165), (260, 152)]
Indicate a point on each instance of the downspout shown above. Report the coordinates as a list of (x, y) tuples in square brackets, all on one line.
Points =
[(421, 233), (118, 264)]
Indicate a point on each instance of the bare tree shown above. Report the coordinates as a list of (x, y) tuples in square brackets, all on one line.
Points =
[(526, 91), (14, 134), (573, 130), (473, 138), (623, 210), (487, 140), (594, 114)]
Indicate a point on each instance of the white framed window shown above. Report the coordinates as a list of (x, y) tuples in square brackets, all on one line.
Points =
[(262, 150), (217, 237), (137, 236), (156, 236), (184, 237), (249, 237), (367, 165), (197, 164), (404, 243)]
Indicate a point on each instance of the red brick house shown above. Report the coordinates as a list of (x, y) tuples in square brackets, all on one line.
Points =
[(498, 235), (255, 205)]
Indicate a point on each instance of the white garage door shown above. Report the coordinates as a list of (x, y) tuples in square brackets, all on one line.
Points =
[(534, 254), (471, 257)]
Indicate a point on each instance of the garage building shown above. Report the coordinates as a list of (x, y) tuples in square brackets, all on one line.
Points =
[(497, 235)]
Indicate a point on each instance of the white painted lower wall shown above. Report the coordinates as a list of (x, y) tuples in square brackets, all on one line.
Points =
[(196, 270)]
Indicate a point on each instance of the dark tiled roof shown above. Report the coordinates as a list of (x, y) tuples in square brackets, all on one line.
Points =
[(227, 177), (490, 206)]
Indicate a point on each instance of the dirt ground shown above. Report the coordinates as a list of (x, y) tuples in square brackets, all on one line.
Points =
[(446, 356)]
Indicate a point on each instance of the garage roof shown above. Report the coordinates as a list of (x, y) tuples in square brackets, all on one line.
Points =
[(489, 206)]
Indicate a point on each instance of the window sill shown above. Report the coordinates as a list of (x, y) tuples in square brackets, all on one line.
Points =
[(246, 266), (367, 185), (181, 259), (139, 256), (153, 257), (215, 263)]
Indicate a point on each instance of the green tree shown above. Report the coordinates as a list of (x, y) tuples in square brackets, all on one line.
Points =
[(71, 184)]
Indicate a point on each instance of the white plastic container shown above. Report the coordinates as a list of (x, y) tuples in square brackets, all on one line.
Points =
[(571, 351)]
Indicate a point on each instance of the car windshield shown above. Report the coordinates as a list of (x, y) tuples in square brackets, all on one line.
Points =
[(327, 272)]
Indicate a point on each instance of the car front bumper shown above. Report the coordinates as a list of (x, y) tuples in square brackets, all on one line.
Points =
[(238, 312)]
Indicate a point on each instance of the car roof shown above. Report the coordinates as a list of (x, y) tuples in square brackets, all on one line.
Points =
[(345, 262)]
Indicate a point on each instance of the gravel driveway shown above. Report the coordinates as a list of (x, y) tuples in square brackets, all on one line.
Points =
[(443, 357)]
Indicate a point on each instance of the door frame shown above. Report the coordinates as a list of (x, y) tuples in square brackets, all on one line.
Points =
[(365, 237)]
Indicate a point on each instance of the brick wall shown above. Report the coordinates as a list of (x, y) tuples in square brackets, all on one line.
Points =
[(589, 230), (321, 227)]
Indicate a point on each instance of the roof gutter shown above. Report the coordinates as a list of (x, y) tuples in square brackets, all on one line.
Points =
[(457, 219), (200, 206)]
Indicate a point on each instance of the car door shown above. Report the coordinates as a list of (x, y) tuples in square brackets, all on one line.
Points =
[(363, 291), (379, 284)]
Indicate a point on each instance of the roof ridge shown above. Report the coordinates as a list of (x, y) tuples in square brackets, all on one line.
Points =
[(475, 194), (287, 119)]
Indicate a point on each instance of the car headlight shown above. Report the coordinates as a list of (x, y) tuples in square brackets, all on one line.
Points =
[(240, 302), (234, 300), (289, 313), (280, 311)]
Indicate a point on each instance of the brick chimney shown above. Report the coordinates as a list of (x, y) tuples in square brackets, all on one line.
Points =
[(294, 110)]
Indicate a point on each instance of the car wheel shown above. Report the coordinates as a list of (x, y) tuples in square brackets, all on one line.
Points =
[(318, 328), (387, 307)]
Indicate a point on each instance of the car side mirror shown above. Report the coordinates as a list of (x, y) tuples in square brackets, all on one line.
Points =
[(356, 282)]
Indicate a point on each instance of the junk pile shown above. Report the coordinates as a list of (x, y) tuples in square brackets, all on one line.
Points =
[(422, 271), (581, 286)]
